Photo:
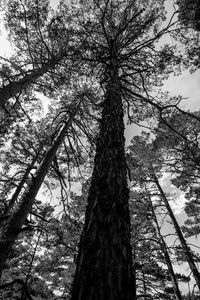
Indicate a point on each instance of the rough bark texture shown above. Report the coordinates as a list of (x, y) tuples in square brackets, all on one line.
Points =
[(182, 240), (11, 227), (104, 265)]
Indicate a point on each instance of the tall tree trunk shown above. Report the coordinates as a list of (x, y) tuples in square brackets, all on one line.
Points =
[(23, 293), (11, 227), (16, 87), (144, 284), (20, 186), (104, 264), (179, 233), (166, 255), (134, 272)]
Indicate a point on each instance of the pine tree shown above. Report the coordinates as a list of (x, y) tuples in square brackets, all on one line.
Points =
[(111, 34), (42, 49), (117, 53), (11, 225), (152, 164)]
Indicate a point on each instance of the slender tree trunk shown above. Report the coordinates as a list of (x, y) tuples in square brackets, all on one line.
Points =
[(23, 293), (167, 257), (11, 227), (16, 87), (144, 284), (104, 264), (179, 233), (20, 186), (134, 273)]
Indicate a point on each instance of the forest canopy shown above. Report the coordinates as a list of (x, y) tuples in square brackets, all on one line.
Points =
[(85, 214)]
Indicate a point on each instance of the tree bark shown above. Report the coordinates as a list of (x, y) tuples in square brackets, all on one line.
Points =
[(20, 186), (12, 226), (14, 88), (167, 257), (179, 233), (104, 264)]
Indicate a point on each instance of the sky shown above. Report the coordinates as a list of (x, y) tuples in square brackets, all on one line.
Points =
[(5, 47), (186, 85)]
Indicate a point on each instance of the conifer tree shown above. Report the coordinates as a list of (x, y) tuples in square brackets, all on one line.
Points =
[(112, 36), (11, 225)]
